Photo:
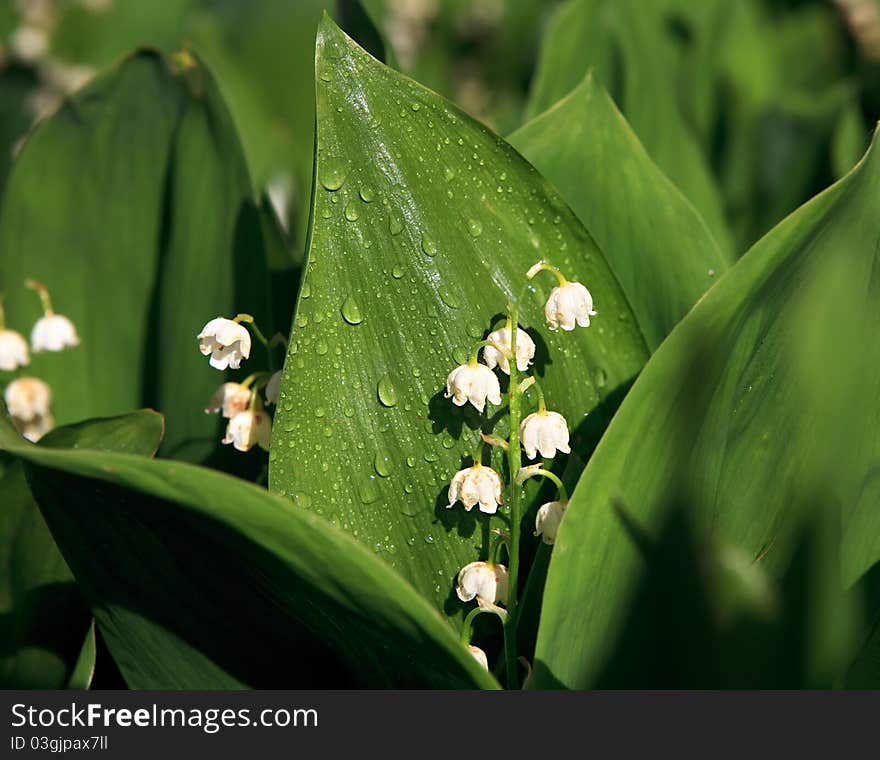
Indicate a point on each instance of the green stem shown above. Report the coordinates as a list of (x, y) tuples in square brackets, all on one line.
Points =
[(43, 293), (495, 550), (560, 486), (543, 266), (514, 461), (248, 320), (542, 406), (2, 315), (468, 626), (258, 379)]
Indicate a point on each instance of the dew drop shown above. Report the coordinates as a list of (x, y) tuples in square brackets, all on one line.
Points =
[(333, 174), (351, 311), (368, 491), (306, 290), (410, 461), (395, 226), (428, 245), (383, 463), (397, 272), (352, 213), (386, 391), (320, 411), (600, 377), (416, 106), (449, 174), (430, 456), (449, 298), (302, 499), (475, 227), (367, 193)]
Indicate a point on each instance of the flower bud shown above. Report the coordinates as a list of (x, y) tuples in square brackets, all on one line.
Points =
[(273, 388), (548, 520), (479, 656), (248, 428), (230, 399)]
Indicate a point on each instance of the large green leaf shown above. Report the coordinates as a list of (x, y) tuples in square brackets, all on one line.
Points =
[(201, 580), (423, 226), (44, 617), (658, 246), (759, 405), (133, 205), (636, 51)]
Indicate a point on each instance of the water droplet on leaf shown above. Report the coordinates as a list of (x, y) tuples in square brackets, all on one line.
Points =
[(351, 311)]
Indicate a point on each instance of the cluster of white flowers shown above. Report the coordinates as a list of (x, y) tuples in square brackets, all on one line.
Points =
[(30, 42), (546, 432), (28, 398), (228, 343)]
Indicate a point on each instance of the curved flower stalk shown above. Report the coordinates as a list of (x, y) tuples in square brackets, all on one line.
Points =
[(511, 350)]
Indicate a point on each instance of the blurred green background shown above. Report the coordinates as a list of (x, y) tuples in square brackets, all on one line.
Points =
[(750, 106)]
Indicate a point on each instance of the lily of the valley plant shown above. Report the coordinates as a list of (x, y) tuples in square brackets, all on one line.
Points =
[(511, 350)]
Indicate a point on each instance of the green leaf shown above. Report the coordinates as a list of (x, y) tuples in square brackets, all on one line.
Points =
[(206, 581), (424, 224), (133, 205), (633, 47), (84, 669), (758, 406), (44, 616), (656, 243), (865, 670)]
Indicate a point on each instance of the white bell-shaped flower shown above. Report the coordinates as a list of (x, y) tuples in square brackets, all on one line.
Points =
[(548, 520), (230, 399), (525, 350), (473, 382), (486, 582), (479, 655), (546, 432), (28, 398), (53, 332), (248, 428), (273, 388), (227, 342), (13, 350), (568, 304), (476, 485), (36, 428)]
